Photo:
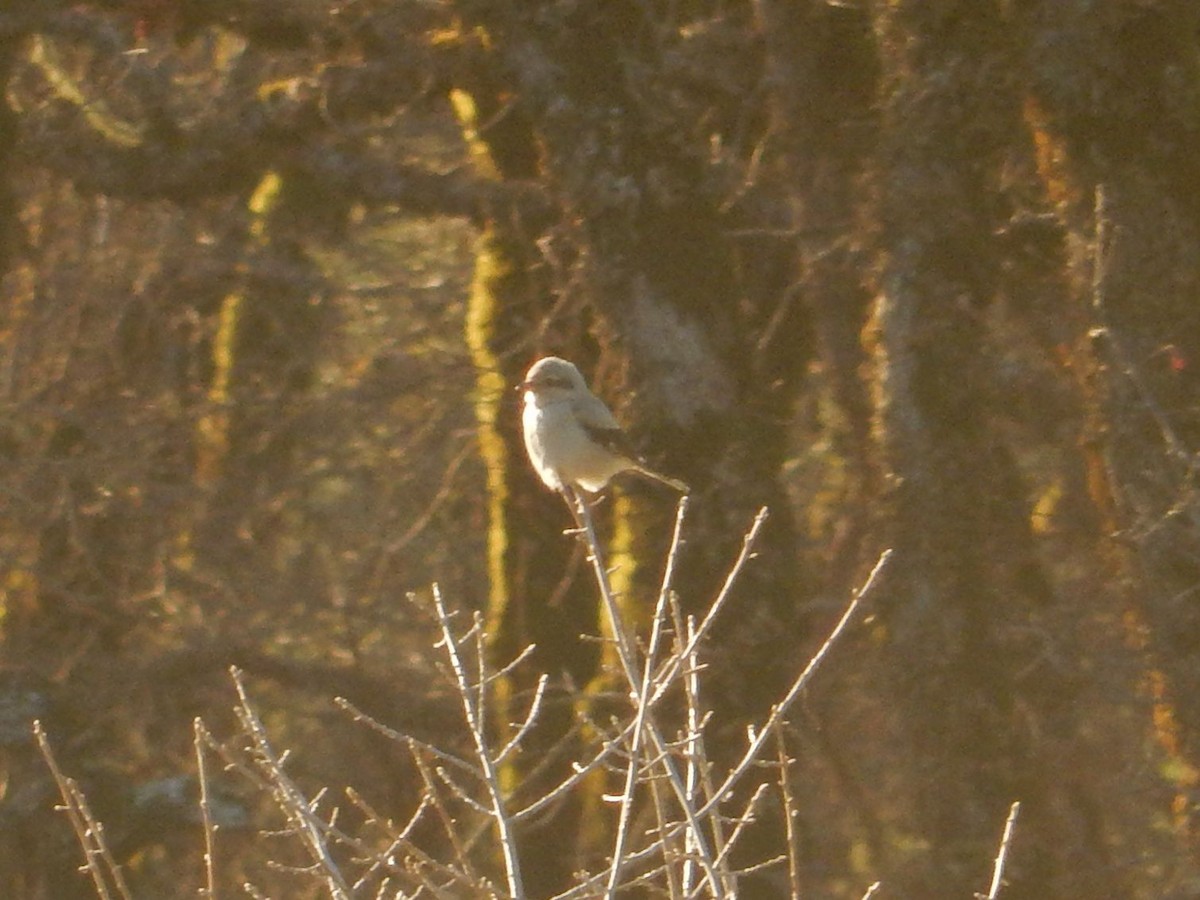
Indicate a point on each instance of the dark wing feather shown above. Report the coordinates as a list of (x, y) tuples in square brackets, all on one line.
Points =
[(613, 439)]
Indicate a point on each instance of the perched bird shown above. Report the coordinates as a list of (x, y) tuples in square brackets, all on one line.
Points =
[(572, 438)]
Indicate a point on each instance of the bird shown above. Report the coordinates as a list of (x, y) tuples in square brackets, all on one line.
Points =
[(572, 438)]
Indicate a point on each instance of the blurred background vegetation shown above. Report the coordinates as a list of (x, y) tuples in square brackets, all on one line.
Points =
[(920, 274)]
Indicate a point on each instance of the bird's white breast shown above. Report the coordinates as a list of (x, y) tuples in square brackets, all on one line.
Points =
[(538, 425), (560, 449)]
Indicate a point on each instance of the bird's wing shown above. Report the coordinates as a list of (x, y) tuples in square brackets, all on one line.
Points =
[(602, 427), (593, 412), (612, 439)]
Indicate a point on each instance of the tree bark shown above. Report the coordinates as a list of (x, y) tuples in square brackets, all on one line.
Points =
[(1112, 84), (981, 703)]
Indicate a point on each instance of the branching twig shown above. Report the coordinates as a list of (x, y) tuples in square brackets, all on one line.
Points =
[(670, 668), (444, 816), (699, 772), (628, 661), (789, 814), (403, 737), (639, 720), (101, 864), (779, 710), (522, 730), (474, 715), (292, 801), (689, 851)]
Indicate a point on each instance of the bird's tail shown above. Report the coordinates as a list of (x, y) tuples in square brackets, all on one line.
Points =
[(663, 479)]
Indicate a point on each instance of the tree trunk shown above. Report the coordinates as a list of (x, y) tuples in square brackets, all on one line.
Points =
[(985, 713), (538, 592), (1112, 83)]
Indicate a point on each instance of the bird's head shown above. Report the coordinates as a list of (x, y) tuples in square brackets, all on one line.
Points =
[(552, 378)]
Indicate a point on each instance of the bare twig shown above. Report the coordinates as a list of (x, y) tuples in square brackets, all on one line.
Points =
[(445, 817), (101, 864), (779, 710), (403, 737), (298, 809), (688, 852), (200, 737), (639, 720), (581, 772), (627, 657), (379, 860), (740, 823), (699, 772), (789, 814), (1010, 825), (473, 705), (382, 859), (522, 730), (670, 668)]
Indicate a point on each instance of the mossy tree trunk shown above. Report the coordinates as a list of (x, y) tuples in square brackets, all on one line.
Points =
[(538, 592), (822, 68), (1116, 87), (986, 713)]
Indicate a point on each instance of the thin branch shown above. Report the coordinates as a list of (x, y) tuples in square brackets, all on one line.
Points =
[(672, 554), (402, 737), (491, 777), (790, 812), (743, 820), (779, 710), (210, 829), (629, 665), (699, 772), (535, 707), (582, 772), (444, 816), (670, 668), (639, 721), (457, 790), (300, 811), (101, 864), (382, 859), (329, 829), (1010, 825), (508, 667)]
